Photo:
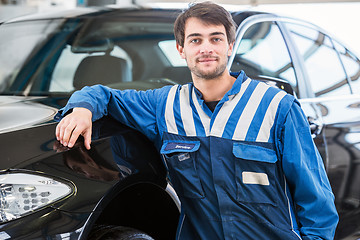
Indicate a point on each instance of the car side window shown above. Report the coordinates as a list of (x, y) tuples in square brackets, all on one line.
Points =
[(262, 52), (352, 66), (324, 68)]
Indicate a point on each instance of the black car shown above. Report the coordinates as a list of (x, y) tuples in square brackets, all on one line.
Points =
[(120, 188)]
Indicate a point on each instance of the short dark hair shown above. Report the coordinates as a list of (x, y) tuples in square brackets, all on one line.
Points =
[(209, 13)]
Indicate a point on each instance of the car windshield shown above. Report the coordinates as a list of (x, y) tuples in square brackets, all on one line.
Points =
[(63, 55)]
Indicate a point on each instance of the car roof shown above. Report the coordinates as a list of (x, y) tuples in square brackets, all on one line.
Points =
[(85, 12), (166, 14)]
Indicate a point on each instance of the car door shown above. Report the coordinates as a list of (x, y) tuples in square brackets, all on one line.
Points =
[(261, 50), (330, 70)]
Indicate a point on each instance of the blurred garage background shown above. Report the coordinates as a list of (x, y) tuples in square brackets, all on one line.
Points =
[(339, 17)]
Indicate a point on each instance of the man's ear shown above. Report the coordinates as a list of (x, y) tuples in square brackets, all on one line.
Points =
[(231, 47), (180, 50)]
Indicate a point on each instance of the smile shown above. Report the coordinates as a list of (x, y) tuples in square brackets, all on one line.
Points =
[(204, 60)]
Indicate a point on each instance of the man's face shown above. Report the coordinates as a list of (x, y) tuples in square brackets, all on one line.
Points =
[(206, 48)]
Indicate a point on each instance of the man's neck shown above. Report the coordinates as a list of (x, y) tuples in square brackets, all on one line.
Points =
[(214, 89)]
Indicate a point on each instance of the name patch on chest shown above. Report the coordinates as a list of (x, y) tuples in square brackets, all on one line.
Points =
[(179, 146), (255, 178)]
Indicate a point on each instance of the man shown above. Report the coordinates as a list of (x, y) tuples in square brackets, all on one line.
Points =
[(239, 153)]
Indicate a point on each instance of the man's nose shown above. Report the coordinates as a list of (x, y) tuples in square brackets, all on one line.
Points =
[(206, 48)]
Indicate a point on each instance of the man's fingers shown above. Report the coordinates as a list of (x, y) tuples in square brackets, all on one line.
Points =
[(87, 139), (57, 131), (68, 132), (73, 125), (73, 136)]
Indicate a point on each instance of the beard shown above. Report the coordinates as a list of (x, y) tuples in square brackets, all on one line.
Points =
[(206, 74)]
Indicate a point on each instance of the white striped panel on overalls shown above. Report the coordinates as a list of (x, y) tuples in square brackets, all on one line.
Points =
[(248, 114), (269, 118), (169, 111), (186, 112), (204, 118), (226, 110)]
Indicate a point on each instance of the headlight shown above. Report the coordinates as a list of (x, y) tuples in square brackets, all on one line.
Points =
[(22, 193)]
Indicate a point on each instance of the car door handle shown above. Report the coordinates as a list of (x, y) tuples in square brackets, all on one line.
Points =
[(315, 126)]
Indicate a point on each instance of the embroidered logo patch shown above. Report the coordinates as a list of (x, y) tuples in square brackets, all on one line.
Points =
[(255, 178), (179, 146)]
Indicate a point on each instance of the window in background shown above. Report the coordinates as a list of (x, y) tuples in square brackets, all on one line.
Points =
[(351, 65), (324, 68), (262, 52)]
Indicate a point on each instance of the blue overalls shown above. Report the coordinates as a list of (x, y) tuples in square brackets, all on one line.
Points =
[(239, 171)]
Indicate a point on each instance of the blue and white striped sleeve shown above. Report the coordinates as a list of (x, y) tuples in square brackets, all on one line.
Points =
[(136, 109)]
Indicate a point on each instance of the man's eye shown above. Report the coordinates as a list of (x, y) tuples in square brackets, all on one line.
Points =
[(195, 41), (217, 39)]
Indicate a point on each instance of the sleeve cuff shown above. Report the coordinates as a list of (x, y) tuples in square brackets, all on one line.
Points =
[(68, 109)]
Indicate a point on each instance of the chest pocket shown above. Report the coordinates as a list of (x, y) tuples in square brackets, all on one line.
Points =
[(181, 158), (255, 169)]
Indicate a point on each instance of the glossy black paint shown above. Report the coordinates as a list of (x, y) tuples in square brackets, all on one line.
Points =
[(122, 179), (123, 166)]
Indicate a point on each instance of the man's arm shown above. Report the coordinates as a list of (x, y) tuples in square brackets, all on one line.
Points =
[(307, 179), (136, 109)]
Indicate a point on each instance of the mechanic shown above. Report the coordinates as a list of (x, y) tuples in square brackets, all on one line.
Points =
[(239, 153)]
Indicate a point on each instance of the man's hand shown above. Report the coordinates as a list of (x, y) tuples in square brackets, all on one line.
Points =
[(73, 125)]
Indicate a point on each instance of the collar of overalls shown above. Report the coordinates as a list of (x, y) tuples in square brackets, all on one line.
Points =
[(235, 89)]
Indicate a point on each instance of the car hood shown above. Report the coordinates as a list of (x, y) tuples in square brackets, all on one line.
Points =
[(23, 112)]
